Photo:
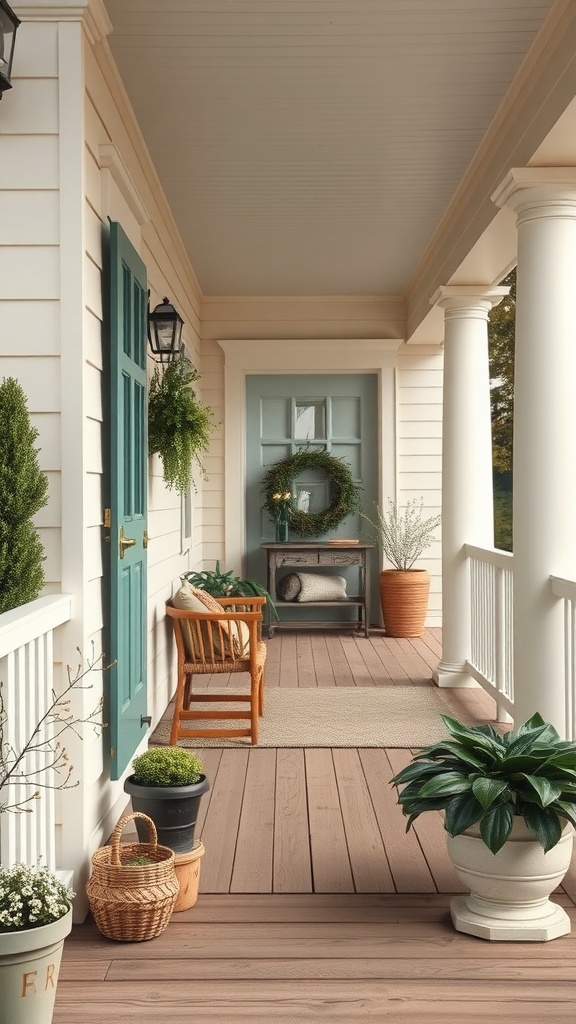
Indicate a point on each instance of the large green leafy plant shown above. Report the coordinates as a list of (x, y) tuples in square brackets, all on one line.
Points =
[(226, 584), (478, 777), (179, 426), (23, 492)]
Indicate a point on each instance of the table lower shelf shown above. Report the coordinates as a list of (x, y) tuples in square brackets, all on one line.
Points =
[(358, 625)]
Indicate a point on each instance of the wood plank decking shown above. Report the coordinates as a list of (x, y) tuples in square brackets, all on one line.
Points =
[(315, 904)]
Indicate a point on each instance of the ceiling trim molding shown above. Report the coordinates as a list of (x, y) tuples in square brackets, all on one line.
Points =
[(92, 13), (317, 355)]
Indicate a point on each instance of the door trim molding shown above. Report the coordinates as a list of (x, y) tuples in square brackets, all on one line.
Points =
[(298, 357)]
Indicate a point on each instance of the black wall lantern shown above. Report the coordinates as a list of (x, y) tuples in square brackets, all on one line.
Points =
[(8, 25), (165, 331)]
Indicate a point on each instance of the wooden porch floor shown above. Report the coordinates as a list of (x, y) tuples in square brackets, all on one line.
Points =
[(315, 904)]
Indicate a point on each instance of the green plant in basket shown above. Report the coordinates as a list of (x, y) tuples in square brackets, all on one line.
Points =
[(478, 777), (167, 766)]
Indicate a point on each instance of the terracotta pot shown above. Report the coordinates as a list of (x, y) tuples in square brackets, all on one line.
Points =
[(510, 889), (404, 600), (187, 866)]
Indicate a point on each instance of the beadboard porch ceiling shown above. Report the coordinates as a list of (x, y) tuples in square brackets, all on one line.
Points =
[(311, 147)]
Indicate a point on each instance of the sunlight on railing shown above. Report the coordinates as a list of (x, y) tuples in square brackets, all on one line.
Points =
[(27, 677), (491, 653), (566, 590)]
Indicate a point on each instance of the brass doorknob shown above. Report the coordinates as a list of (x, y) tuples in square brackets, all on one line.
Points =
[(125, 542)]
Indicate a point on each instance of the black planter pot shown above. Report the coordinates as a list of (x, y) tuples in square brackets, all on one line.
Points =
[(173, 809)]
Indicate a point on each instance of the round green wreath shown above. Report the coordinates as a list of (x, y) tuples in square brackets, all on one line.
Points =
[(345, 493)]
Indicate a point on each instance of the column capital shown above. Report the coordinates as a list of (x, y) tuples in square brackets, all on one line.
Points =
[(468, 300), (539, 191), (92, 13)]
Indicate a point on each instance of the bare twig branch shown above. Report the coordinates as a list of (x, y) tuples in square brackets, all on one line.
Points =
[(44, 739)]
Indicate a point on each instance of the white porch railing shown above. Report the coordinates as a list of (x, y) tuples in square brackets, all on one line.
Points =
[(566, 590), (491, 653), (27, 677)]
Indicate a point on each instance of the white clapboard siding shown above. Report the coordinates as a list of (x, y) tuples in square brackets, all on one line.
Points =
[(27, 272), (29, 217), (419, 452), (29, 161)]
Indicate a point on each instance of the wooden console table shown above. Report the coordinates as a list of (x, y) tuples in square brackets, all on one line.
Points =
[(324, 556)]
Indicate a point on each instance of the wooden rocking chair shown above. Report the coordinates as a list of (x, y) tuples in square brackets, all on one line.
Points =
[(218, 642)]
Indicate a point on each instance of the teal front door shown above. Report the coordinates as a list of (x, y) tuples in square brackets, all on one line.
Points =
[(127, 534), (284, 413)]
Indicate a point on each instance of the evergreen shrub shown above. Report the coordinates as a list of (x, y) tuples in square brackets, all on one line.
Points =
[(23, 492)]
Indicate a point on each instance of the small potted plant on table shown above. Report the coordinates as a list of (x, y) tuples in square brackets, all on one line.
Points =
[(509, 805)]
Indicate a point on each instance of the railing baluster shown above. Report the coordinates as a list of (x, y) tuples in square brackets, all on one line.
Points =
[(490, 660), (27, 677)]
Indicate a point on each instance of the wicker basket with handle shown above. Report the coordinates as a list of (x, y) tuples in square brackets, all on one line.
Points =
[(132, 902)]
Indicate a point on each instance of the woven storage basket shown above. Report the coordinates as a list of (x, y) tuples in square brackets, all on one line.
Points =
[(132, 902)]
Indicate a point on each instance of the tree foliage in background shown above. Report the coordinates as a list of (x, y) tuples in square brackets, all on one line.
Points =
[(501, 333), (23, 491), (501, 350)]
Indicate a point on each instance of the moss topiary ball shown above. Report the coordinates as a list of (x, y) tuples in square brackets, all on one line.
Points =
[(167, 766)]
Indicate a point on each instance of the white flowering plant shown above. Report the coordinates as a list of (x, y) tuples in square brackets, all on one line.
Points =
[(402, 533), (31, 897)]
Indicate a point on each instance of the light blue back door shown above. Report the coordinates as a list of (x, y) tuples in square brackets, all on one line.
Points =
[(128, 501), (284, 413)]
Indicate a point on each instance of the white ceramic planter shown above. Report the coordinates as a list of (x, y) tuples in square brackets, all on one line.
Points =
[(29, 967), (509, 890)]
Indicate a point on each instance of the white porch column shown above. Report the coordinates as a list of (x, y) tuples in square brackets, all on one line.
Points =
[(467, 502), (544, 430)]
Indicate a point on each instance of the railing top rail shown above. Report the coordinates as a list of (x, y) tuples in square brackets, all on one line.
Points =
[(563, 588), (21, 625), (492, 556)]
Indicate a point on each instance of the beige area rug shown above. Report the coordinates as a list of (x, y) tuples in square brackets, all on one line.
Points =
[(337, 716)]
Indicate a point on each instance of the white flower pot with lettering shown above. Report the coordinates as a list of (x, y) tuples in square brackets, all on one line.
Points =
[(29, 968), (509, 890)]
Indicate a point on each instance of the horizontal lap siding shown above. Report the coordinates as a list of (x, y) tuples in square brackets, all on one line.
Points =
[(30, 262), (419, 452)]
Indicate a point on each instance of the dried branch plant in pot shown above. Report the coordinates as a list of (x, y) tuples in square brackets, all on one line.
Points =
[(509, 806), (403, 535)]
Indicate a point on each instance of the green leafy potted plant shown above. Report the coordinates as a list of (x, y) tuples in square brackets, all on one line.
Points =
[(403, 536), (167, 784), (179, 426), (226, 584), (509, 805)]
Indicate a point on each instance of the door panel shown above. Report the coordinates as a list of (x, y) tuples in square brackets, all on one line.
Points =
[(333, 412), (128, 500)]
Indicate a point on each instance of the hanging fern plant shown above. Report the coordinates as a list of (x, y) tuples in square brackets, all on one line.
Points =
[(179, 426)]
